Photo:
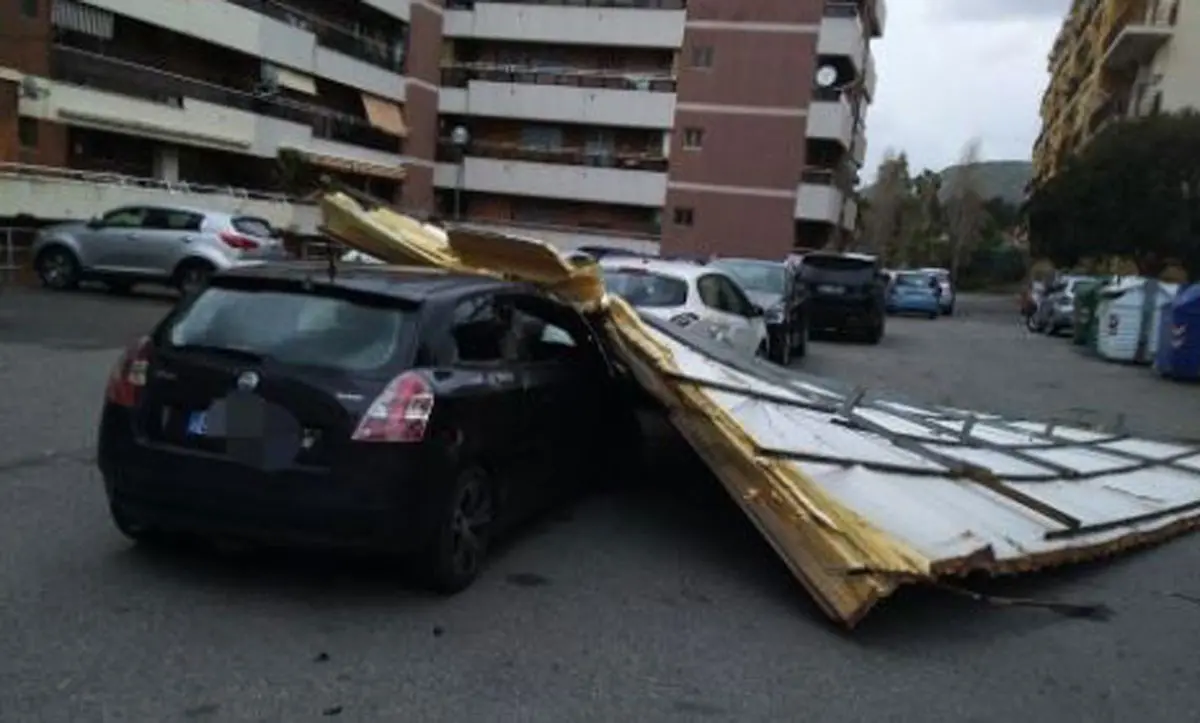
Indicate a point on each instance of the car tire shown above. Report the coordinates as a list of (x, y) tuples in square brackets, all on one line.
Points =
[(1032, 325), (763, 351), (875, 335), (458, 549), (950, 310), (120, 288), (934, 315), (801, 342), (57, 268), (780, 346), (192, 275)]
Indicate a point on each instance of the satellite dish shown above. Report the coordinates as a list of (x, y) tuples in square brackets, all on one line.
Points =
[(827, 75)]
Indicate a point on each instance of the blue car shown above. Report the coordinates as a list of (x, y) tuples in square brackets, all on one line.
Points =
[(914, 292)]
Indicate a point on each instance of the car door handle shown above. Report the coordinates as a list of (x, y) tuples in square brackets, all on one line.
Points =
[(187, 239)]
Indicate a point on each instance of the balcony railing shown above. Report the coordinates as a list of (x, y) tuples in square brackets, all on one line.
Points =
[(376, 49), (841, 9), (92, 70), (457, 75), (1158, 15), (637, 4), (596, 158)]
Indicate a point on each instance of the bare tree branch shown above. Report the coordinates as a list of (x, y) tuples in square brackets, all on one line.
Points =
[(966, 213)]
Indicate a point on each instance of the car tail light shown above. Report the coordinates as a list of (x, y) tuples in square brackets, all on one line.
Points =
[(128, 375), (686, 319), (235, 240), (400, 413)]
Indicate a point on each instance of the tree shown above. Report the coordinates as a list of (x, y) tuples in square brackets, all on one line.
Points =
[(886, 202), (1133, 192), (965, 212)]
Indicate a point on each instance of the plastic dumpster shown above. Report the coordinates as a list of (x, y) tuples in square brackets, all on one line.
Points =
[(1178, 355), (1087, 296)]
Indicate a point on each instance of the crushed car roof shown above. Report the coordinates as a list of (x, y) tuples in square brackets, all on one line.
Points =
[(409, 282)]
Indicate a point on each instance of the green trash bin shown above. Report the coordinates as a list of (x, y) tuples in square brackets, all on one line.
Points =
[(1087, 298)]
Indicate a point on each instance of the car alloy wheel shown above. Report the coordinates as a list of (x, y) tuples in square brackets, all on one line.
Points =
[(58, 269), (461, 539)]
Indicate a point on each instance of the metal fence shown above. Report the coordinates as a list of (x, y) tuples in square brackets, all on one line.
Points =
[(15, 243)]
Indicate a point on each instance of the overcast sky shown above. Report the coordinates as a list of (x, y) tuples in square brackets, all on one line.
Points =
[(950, 70)]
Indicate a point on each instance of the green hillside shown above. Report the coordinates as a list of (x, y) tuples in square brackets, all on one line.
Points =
[(997, 179)]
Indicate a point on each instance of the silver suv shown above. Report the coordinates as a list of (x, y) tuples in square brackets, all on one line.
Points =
[(174, 246)]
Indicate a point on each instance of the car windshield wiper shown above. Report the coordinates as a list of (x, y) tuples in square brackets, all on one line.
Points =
[(225, 351)]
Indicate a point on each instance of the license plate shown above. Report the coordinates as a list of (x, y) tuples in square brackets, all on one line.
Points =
[(831, 289), (197, 425)]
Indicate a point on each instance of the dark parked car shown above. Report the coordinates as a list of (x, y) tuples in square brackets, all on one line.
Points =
[(774, 286), (396, 409), (847, 293)]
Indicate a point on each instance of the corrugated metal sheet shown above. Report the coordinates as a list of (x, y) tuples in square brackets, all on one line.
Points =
[(857, 493)]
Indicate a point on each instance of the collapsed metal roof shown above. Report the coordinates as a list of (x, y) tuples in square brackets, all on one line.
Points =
[(858, 493)]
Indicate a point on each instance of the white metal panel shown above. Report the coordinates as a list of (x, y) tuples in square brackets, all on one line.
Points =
[(1110, 490), (818, 202), (625, 27), (564, 104), (358, 74), (547, 180)]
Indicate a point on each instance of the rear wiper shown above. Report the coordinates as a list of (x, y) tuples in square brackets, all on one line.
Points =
[(224, 351)]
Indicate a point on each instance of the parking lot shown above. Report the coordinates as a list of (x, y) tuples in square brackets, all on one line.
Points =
[(655, 601)]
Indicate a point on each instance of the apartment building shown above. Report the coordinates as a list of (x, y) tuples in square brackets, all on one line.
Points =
[(1116, 59), (694, 126)]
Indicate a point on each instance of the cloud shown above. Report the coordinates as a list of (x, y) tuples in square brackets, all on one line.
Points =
[(984, 10), (943, 81)]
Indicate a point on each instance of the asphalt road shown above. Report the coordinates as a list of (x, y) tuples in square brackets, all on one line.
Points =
[(654, 603)]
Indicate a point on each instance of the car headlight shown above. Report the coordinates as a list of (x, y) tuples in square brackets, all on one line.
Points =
[(774, 315)]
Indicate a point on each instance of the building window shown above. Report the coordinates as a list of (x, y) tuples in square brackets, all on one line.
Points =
[(683, 217), (27, 133), (693, 139), (541, 138), (29, 8), (702, 56)]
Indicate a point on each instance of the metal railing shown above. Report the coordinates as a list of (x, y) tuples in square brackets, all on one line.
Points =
[(458, 75), (69, 175), (633, 4), (378, 50), (15, 244), (568, 156), (102, 72)]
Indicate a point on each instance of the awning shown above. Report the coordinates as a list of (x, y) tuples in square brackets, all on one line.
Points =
[(71, 15), (349, 165), (385, 115), (295, 80)]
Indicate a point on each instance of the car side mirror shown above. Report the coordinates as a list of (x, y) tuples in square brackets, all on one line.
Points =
[(756, 311)]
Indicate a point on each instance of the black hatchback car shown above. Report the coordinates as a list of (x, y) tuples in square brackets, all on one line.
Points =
[(405, 410), (774, 286), (847, 293)]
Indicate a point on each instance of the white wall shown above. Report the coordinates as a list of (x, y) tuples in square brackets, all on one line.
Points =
[(627, 27), (547, 180), (566, 104), (843, 36)]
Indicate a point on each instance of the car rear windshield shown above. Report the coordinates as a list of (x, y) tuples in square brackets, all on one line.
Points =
[(914, 280), (761, 276), (253, 226), (298, 328), (645, 288), (837, 269)]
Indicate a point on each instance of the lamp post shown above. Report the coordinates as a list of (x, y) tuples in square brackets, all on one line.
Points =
[(460, 138)]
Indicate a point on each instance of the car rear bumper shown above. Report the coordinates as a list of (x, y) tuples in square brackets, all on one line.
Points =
[(377, 502), (914, 306), (844, 316)]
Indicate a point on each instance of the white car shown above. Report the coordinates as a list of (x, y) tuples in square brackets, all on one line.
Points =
[(691, 295), (943, 278)]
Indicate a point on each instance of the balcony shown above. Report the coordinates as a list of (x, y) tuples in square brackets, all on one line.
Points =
[(580, 156), (56, 193), (620, 23), (151, 101), (878, 12), (273, 31), (628, 100), (830, 117), (842, 34), (554, 174), (1134, 41), (820, 199)]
